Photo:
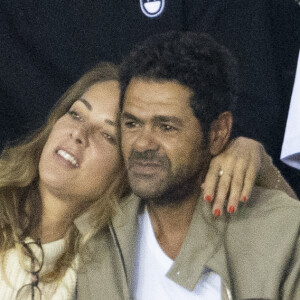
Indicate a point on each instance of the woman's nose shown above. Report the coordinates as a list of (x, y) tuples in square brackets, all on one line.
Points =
[(80, 136)]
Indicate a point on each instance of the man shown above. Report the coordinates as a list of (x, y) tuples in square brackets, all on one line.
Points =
[(177, 90)]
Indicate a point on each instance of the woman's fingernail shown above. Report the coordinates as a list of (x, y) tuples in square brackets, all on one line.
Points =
[(244, 199), (208, 198), (217, 212), (231, 209)]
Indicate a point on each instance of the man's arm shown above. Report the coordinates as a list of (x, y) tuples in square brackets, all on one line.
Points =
[(291, 286)]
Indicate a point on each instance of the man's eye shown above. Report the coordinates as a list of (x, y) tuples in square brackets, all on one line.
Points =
[(130, 124), (75, 115), (167, 127)]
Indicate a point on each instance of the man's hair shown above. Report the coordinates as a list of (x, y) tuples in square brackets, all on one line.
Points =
[(192, 59)]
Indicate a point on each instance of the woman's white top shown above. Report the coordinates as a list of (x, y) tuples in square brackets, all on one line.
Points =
[(17, 276), (151, 282)]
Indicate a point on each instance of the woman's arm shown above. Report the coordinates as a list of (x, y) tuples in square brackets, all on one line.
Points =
[(233, 173)]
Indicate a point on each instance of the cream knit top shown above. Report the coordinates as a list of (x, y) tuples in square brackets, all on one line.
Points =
[(17, 277)]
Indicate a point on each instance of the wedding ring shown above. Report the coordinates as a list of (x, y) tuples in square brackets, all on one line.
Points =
[(221, 172)]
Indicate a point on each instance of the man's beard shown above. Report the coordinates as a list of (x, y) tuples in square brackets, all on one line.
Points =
[(166, 187)]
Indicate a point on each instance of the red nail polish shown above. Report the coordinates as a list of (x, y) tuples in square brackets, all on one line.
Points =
[(217, 212), (231, 209), (244, 199), (208, 198)]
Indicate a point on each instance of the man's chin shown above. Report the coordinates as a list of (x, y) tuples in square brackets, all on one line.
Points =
[(146, 188), (145, 193)]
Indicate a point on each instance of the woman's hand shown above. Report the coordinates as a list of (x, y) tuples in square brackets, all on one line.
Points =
[(232, 174)]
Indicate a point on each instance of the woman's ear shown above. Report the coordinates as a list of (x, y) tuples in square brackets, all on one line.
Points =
[(219, 133)]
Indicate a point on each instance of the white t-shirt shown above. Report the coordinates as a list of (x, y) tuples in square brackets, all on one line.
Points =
[(290, 152), (150, 280)]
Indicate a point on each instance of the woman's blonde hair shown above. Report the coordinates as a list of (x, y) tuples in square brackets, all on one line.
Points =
[(19, 180)]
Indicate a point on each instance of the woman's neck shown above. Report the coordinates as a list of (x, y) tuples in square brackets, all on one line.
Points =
[(57, 216), (53, 226)]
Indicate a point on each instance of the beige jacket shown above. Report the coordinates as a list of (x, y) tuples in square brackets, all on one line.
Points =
[(256, 251)]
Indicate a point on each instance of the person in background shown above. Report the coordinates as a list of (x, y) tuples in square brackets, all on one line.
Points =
[(290, 152), (177, 92)]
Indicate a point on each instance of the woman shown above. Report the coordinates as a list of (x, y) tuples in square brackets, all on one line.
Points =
[(69, 165)]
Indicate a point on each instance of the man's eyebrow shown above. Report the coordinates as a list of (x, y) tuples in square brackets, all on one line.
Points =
[(86, 103), (155, 119), (127, 115), (172, 119)]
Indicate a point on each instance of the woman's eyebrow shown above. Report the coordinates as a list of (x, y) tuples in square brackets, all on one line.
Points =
[(110, 122), (90, 107), (86, 103)]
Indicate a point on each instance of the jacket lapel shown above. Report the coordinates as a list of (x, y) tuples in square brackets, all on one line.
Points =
[(125, 226)]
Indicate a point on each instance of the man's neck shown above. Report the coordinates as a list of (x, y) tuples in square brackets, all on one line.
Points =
[(171, 223)]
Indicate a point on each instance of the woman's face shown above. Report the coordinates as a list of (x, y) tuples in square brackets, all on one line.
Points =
[(81, 156)]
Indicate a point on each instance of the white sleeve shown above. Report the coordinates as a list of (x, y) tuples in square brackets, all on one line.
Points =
[(290, 151)]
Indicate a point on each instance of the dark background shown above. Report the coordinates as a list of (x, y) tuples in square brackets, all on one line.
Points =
[(45, 46)]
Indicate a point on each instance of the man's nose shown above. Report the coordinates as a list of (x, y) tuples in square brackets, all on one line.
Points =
[(145, 140)]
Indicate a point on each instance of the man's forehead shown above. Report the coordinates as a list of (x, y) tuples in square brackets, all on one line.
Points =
[(158, 101), (152, 94)]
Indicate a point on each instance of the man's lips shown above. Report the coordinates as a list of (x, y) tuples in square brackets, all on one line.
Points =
[(144, 167)]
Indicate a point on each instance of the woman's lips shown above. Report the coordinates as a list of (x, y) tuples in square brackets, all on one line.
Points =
[(68, 157)]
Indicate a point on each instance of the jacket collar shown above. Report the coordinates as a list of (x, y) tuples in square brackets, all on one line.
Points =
[(125, 227), (203, 247)]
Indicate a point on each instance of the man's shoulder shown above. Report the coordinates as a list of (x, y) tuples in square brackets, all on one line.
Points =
[(270, 211), (263, 239), (267, 200)]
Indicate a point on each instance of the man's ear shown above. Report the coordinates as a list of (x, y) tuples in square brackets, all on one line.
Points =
[(220, 131)]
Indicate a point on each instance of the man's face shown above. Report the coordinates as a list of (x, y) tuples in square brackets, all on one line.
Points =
[(162, 140)]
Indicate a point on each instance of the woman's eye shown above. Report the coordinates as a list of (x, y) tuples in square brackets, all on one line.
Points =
[(109, 138), (75, 115)]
